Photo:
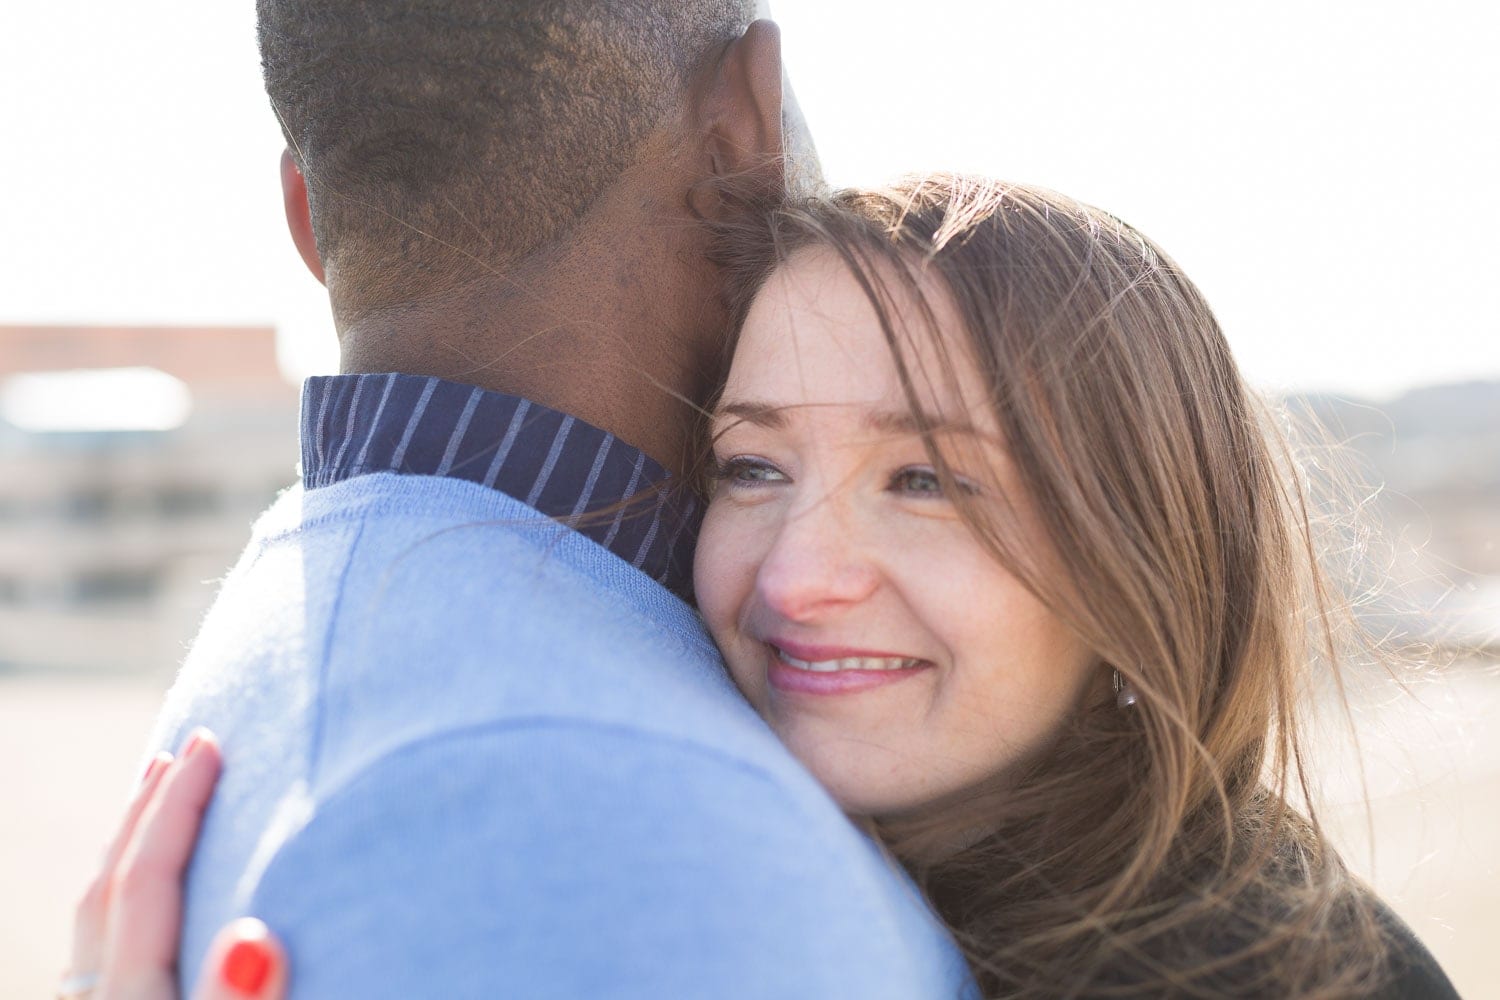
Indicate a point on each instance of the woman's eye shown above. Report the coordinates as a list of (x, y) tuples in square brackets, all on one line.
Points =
[(746, 471), (922, 481)]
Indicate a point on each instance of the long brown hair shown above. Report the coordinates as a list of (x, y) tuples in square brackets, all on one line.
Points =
[(1151, 849)]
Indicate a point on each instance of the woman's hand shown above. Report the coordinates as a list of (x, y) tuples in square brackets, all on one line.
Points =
[(127, 924)]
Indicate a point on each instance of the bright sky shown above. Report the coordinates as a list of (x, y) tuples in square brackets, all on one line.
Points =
[(1324, 170)]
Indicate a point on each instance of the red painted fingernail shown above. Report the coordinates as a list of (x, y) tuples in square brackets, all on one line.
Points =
[(247, 966), (158, 762), (196, 740)]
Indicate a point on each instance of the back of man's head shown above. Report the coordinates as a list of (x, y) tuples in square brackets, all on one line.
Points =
[(444, 131)]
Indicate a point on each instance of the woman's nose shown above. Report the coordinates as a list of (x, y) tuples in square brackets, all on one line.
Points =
[(817, 563)]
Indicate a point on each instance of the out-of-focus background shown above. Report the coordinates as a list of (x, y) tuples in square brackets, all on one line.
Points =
[(1324, 171)]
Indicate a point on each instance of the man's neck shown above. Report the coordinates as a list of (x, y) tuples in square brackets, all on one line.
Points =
[(623, 341)]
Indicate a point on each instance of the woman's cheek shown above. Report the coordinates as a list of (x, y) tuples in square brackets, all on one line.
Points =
[(720, 570), (728, 558)]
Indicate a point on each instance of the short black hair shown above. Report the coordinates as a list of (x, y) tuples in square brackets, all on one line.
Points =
[(489, 125)]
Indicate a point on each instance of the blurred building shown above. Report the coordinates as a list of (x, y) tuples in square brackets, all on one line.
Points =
[(132, 462)]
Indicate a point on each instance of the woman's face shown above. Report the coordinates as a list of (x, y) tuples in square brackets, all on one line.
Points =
[(895, 656)]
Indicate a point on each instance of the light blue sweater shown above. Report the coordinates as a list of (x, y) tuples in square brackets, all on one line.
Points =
[(470, 753)]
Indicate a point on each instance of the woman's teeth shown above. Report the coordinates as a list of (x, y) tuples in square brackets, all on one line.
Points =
[(848, 663)]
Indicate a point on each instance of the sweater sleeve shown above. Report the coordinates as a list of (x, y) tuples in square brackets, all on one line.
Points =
[(567, 860)]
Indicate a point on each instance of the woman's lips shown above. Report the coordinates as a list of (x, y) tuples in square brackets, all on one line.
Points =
[(827, 670)]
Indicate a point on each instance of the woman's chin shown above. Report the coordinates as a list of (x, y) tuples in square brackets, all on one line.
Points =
[(861, 787)]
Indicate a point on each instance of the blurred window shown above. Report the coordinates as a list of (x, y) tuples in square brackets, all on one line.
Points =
[(93, 503), (115, 586), (188, 501)]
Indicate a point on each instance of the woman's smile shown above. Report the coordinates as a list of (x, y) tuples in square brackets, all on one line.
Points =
[(795, 668)]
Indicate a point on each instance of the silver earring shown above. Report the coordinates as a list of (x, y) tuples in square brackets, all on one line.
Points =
[(1126, 696)]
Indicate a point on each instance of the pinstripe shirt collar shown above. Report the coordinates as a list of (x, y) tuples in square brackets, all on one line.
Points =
[(609, 491)]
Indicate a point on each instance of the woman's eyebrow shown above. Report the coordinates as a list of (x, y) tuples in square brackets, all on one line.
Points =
[(895, 422), (907, 422), (760, 414)]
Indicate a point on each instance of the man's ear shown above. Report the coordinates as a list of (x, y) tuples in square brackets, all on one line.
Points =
[(739, 110), (299, 214)]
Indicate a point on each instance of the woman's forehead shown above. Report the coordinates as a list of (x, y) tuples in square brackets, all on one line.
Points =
[(814, 336)]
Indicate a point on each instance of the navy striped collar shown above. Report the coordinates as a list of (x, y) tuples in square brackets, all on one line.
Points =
[(609, 491)]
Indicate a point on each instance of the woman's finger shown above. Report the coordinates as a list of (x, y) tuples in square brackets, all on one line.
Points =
[(89, 914), (144, 920), (245, 960)]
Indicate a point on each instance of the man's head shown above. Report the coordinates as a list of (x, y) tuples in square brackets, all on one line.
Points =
[(434, 132), (512, 194)]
